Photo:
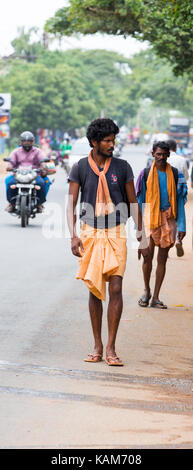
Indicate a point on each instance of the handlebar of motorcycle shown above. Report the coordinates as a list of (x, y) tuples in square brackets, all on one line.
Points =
[(7, 159), (14, 170), (44, 160)]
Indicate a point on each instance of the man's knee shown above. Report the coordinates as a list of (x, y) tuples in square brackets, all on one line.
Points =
[(10, 180), (10, 192), (115, 286), (162, 255), (94, 299)]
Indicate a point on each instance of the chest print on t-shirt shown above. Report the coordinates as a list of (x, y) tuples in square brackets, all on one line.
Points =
[(113, 178)]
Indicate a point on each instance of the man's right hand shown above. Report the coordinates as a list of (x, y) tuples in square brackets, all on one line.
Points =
[(9, 167), (76, 246)]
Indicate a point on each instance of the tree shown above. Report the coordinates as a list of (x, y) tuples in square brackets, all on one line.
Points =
[(25, 45), (66, 90), (48, 98), (166, 24), (153, 78), (158, 91)]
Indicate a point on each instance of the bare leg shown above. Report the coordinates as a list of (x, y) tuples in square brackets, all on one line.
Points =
[(160, 271), (115, 308), (147, 269), (96, 312)]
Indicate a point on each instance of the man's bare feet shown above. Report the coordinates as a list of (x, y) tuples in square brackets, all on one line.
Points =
[(96, 356), (145, 298), (112, 359)]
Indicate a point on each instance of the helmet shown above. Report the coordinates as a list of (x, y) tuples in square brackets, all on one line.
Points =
[(27, 136)]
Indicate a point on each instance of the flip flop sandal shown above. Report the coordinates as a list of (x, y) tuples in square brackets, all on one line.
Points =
[(94, 357), (179, 249), (158, 304), (145, 299), (113, 361)]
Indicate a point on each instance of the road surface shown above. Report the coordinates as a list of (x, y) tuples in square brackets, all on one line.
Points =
[(50, 398)]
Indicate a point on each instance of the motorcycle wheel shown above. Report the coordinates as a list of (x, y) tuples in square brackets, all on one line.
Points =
[(24, 212)]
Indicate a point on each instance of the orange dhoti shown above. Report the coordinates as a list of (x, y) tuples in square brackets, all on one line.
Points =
[(105, 255), (165, 235)]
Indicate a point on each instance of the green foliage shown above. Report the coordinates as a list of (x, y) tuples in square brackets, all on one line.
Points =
[(66, 90), (167, 25), (63, 90), (154, 79), (27, 44), (47, 97)]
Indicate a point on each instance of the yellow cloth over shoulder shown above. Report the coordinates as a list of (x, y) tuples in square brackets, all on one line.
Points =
[(105, 254), (152, 211)]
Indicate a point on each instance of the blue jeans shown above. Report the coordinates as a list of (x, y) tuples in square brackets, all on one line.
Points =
[(13, 192), (47, 183)]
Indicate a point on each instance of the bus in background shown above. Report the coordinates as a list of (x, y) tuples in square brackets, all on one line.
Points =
[(179, 130)]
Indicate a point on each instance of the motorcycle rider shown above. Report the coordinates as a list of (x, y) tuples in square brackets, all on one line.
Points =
[(65, 146), (26, 155), (65, 149)]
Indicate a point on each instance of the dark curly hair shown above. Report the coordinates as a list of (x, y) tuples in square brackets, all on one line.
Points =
[(100, 128), (162, 145)]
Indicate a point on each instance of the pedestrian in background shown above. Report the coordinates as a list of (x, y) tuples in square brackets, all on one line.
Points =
[(179, 162), (163, 189)]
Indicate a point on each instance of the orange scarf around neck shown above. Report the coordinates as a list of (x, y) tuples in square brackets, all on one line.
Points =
[(104, 204), (153, 196)]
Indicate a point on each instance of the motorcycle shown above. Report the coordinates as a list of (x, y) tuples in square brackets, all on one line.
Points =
[(64, 161), (118, 149), (54, 156), (26, 201)]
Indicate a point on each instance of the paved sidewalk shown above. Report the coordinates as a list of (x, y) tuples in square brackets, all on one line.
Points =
[(50, 398)]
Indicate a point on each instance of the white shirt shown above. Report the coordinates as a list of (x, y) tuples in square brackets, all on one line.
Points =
[(178, 162)]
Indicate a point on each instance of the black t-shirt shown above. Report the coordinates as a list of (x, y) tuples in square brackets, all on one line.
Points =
[(89, 195)]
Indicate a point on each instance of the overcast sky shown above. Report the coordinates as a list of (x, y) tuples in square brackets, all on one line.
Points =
[(15, 13)]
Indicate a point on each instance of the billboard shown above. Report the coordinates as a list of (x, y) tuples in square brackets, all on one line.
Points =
[(5, 107), (5, 102)]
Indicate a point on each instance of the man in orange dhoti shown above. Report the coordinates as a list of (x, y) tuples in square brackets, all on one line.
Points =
[(101, 246), (164, 212)]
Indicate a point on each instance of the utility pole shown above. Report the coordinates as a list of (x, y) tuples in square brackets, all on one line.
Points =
[(45, 40)]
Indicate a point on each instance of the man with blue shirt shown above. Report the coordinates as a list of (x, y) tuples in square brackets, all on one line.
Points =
[(163, 190)]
